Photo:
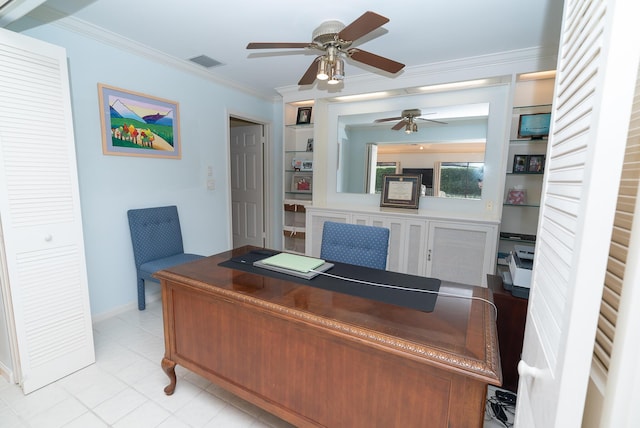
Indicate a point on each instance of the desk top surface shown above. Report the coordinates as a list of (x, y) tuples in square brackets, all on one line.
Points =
[(459, 333)]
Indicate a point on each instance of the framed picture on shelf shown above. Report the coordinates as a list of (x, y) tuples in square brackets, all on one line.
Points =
[(400, 191), (304, 116), (302, 164), (536, 164), (520, 163), (516, 196), (310, 145), (302, 182)]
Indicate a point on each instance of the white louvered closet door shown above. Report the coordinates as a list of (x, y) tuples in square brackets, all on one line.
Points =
[(40, 214), (595, 81)]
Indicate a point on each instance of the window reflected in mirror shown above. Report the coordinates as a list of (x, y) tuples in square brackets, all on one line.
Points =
[(459, 179), (382, 168)]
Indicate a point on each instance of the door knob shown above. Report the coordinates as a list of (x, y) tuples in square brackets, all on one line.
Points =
[(48, 238), (525, 370)]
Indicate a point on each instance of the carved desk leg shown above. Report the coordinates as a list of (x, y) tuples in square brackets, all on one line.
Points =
[(169, 368)]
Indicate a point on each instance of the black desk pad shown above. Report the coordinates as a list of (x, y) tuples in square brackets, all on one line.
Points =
[(420, 300)]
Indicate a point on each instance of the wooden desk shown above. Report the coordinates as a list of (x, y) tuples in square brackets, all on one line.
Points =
[(319, 358)]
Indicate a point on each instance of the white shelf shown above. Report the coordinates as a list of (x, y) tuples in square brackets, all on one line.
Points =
[(297, 139), (522, 218)]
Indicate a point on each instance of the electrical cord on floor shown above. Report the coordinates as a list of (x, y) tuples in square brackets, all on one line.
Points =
[(501, 408)]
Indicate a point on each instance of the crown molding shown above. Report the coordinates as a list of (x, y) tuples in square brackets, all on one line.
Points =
[(51, 16), (483, 66)]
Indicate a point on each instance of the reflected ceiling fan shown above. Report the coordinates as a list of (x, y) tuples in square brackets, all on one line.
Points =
[(408, 120), (335, 39)]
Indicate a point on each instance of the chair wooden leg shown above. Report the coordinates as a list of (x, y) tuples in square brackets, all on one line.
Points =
[(141, 300)]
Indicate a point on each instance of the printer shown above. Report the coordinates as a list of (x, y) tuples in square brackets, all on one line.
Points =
[(520, 262)]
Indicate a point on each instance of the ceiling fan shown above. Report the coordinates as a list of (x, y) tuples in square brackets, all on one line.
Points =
[(335, 39), (408, 119)]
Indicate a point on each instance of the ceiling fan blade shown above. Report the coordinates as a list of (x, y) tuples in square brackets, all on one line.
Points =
[(432, 120), (310, 75), (376, 61), (399, 125), (388, 119), (367, 22), (276, 45)]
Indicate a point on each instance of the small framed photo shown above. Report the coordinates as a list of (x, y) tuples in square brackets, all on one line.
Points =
[(302, 182), (401, 191), (535, 164), (516, 197), (520, 163), (304, 116), (302, 164), (310, 144)]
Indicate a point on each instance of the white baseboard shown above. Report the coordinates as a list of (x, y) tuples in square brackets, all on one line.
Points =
[(6, 373), (151, 297)]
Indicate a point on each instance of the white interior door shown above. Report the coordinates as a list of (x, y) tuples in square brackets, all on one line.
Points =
[(40, 213), (247, 191), (597, 69)]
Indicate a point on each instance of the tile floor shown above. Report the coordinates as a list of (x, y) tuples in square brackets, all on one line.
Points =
[(124, 388)]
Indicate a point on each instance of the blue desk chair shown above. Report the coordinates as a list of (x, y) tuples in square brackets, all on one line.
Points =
[(157, 243), (355, 244)]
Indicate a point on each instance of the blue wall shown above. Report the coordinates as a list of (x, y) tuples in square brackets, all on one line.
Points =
[(110, 185)]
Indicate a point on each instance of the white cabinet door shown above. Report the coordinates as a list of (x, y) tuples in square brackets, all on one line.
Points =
[(396, 250), (407, 243), (315, 222), (415, 244), (461, 252), (40, 213)]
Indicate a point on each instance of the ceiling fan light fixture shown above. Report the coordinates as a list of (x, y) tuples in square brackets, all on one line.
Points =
[(407, 129), (333, 81), (414, 128), (338, 69), (323, 66)]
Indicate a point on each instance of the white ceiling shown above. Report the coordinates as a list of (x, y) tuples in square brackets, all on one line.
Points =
[(419, 32)]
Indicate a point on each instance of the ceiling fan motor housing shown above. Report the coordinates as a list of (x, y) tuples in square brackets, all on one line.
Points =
[(327, 32), (414, 112)]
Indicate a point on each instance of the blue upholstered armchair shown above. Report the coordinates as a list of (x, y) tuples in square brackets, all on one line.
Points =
[(355, 244), (157, 243)]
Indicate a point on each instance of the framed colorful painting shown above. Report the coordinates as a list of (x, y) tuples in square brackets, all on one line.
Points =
[(135, 124)]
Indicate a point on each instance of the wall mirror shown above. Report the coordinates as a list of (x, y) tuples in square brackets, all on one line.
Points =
[(446, 144)]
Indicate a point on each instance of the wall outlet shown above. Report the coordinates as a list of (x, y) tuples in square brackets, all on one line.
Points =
[(489, 206)]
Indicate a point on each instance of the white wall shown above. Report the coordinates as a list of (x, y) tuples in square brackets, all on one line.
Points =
[(110, 185)]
